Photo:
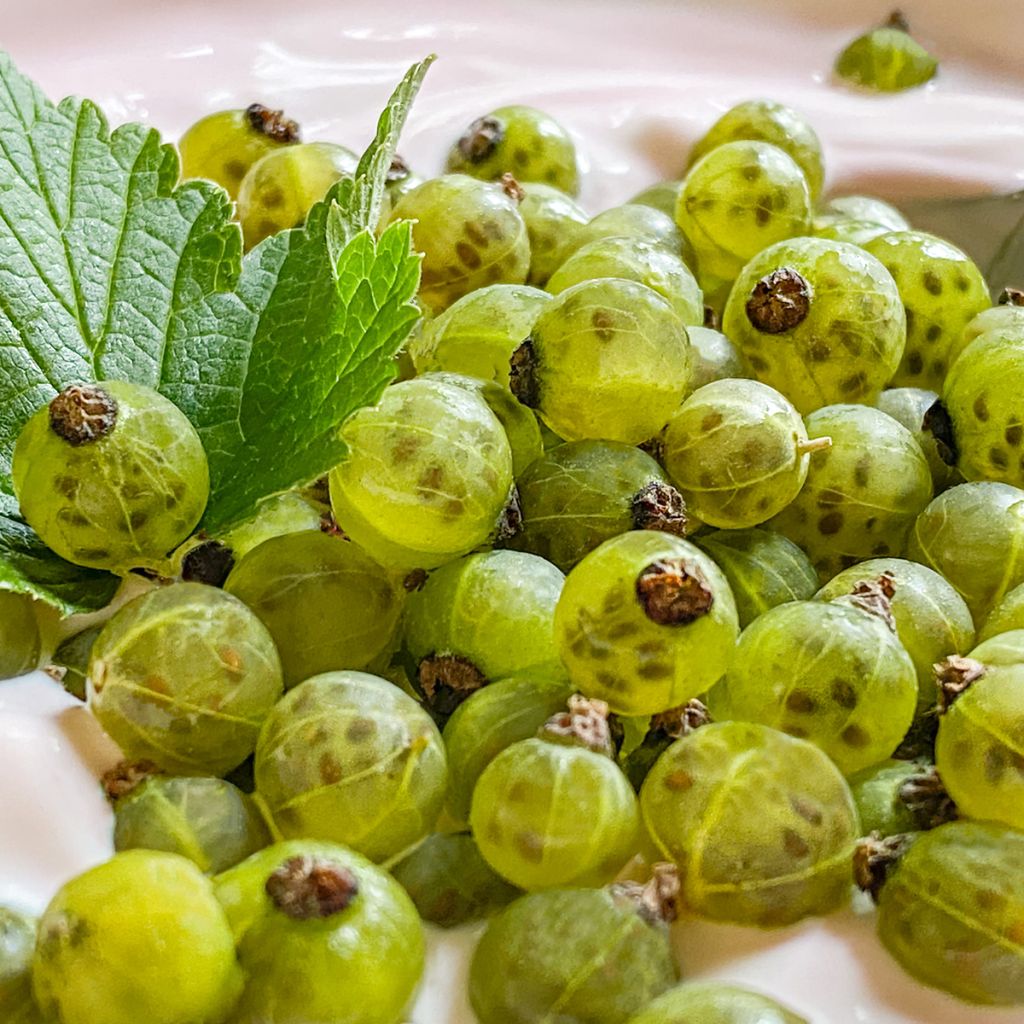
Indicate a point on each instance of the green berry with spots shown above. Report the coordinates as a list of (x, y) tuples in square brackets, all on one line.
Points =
[(663, 196), (491, 720), (951, 909), (578, 956), (153, 911), (862, 494), (521, 141), (478, 334), (942, 291), (350, 758), (209, 821), (886, 59), (282, 187), (832, 673), (915, 408), (608, 359), (762, 825), (553, 221), (738, 452), (20, 640), (222, 147), (331, 939), (820, 321), (982, 397), (764, 120), (978, 747), (479, 619), (450, 883), (111, 475), (712, 1002), (471, 234), (17, 945), (556, 810), (895, 797), (184, 676), (714, 356), (426, 477), (633, 220), (326, 603), (739, 199), (580, 494), (973, 535), (932, 620), (646, 622), (521, 426), (634, 259), (764, 569)]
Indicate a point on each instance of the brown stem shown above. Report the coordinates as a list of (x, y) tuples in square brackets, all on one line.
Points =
[(813, 444)]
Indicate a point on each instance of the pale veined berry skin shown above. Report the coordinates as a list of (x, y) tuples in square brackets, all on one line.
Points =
[(223, 146), (348, 757), (761, 825), (450, 883), (951, 911), (20, 640), (645, 622), (978, 750), (982, 395), (713, 1002), (478, 334), (886, 59), (764, 569), (582, 493), (913, 407), (184, 676), (518, 140), (154, 910), (607, 360), (738, 452), (490, 721), (663, 196), (973, 535), (942, 290), (327, 604), (363, 953), (932, 619), (427, 475), (582, 954), (1006, 616), (714, 356), (763, 120), (818, 320), (124, 482), (547, 815), (553, 221), (282, 187), (826, 672), (737, 200), (470, 233), (633, 220), (862, 493), (1007, 319), (210, 821), (635, 259)]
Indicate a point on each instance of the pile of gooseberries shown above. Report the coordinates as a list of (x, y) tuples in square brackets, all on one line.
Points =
[(681, 576)]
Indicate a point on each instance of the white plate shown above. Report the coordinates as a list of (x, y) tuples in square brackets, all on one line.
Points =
[(636, 82)]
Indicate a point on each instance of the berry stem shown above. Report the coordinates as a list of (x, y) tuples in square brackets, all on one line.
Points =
[(813, 444)]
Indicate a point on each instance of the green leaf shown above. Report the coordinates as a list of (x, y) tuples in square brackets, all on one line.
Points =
[(110, 270), (29, 567)]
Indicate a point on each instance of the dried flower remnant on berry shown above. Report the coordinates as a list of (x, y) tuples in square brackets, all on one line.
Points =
[(272, 123), (585, 724), (875, 857), (481, 139), (1011, 297), (681, 721), (657, 900), (512, 188), (510, 522), (398, 170), (209, 562), (955, 676), (939, 424), (446, 680), (125, 777), (305, 888), (659, 506), (779, 302), (83, 413), (874, 597), (522, 375), (672, 595), (925, 796)]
